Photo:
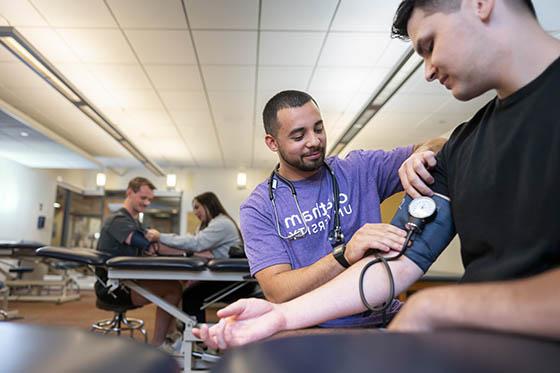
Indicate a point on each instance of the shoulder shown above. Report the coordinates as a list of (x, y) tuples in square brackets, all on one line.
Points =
[(257, 198), (368, 159)]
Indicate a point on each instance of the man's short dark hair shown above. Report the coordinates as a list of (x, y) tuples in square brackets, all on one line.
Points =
[(282, 100), (406, 7), (137, 183)]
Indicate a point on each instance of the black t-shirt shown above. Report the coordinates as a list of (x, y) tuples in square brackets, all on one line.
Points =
[(114, 232), (501, 170)]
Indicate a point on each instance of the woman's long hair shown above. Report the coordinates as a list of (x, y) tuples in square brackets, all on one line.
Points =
[(213, 208)]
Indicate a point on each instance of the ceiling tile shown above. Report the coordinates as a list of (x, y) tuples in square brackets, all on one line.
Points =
[(332, 100), (98, 45), (338, 78), (175, 77), (393, 53), (414, 103), (140, 119), (223, 48), (195, 125), (49, 43), (162, 46), (16, 74), (75, 13), (373, 79), (148, 13), (184, 100), (6, 55), (229, 78), (236, 139), (88, 84), (297, 14), (21, 13), (283, 78), (53, 111), (297, 48), (232, 107), (223, 14), (353, 49), (138, 99), (192, 118), (365, 15), (120, 77)]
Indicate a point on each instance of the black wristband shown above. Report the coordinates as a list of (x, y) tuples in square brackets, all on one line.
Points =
[(338, 253)]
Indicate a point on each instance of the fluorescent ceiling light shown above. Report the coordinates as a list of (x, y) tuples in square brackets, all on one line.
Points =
[(40, 68), (23, 50), (404, 69), (101, 122)]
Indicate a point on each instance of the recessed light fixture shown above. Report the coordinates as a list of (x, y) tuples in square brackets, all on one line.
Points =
[(24, 134)]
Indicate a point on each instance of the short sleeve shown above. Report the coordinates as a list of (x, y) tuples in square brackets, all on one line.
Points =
[(263, 247), (121, 227)]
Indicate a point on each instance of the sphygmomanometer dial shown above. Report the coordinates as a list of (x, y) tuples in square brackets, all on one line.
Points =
[(422, 207)]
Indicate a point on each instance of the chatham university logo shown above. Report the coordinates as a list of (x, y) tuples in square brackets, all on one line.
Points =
[(318, 217)]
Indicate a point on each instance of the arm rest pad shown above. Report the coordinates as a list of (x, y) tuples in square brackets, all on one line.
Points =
[(83, 256), (158, 263), (229, 265)]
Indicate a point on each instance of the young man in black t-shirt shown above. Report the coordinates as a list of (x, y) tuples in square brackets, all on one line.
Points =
[(122, 235), (500, 170)]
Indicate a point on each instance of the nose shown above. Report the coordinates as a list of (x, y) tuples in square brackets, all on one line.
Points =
[(430, 72), (313, 140)]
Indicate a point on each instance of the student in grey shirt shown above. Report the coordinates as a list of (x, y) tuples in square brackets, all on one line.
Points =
[(216, 234)]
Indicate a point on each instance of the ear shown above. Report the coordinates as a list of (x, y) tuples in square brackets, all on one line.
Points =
[(271, 142), (484, 9)]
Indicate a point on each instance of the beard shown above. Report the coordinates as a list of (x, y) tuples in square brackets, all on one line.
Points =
[(303, 164)]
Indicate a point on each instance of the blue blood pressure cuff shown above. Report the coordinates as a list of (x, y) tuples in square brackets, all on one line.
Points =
[(434, 238), (139, 241)]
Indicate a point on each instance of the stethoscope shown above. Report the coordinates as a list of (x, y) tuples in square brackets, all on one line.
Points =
[(336, 236)]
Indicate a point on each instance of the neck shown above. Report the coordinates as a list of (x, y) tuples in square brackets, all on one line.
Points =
[(294, 174), (129, 208), (529, 54)]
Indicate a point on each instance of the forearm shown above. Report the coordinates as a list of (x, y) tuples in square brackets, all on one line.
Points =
[(528, 306), (184, 242), (340, 297), (434, 145), (290, 284)]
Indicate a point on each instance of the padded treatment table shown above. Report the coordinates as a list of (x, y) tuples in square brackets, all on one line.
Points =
[(444, 351), (127, 270), (57, 290), (34, 349)]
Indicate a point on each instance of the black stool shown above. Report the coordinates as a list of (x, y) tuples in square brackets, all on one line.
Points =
[(119, 323)]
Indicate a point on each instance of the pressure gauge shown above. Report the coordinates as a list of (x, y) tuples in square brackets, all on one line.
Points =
[(422, 207)]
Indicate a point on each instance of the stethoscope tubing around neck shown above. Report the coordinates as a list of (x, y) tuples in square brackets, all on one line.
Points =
[(336, 236)]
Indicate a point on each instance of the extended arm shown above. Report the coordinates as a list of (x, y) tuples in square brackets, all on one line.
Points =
[(207, 239), (527, 306), (249, 320)]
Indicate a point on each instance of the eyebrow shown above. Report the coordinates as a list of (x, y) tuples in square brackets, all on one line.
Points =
[(302, 129)]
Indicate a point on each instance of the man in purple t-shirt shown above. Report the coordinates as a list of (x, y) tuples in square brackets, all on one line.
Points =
[(287, 219)]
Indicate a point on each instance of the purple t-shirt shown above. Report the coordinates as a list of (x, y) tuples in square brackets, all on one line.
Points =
[(365, 179)]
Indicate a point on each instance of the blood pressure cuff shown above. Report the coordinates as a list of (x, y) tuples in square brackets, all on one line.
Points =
[(436, 235), (139, 241)]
